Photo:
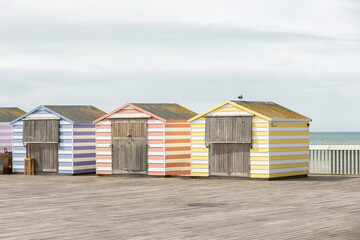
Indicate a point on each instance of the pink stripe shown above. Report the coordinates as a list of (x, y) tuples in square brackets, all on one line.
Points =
[(5, 127), (128, 111), (9, 148), (5, 134), (5, 140)]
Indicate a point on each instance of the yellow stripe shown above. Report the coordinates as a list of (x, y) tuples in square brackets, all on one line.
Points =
[(276, 141), (259, 124), (198, 125), (199, 150), (227, 109), (258, 175), (199, 157), (290, 165), (259, 141), (290, 149), (259, 150), (197, 133), (289, 157), (291, 125), (288, 174), (200, 174), (289, 133), (262, 167), (200, 166), (198, 141), (260, 133), (257, 158), (201, 115)]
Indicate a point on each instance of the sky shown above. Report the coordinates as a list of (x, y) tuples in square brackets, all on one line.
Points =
[(302, 54)]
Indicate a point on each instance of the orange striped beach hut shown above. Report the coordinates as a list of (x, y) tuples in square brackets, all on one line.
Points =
[(144, 138)]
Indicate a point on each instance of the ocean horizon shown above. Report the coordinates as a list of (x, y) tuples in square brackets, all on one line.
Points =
[(334, 138)]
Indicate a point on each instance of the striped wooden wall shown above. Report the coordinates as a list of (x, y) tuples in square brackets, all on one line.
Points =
[(177, 148), (84, 147), (65, 143), (103, 147), (156, 150), (5, 136)]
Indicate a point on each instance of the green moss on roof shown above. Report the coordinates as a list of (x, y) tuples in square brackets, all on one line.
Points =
[(10, 114), (271, 110), (77, 113), (168, 111)]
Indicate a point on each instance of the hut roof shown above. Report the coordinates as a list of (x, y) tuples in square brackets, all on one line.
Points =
[(267, 110), (10, 113), (72, 113), (161, 111)]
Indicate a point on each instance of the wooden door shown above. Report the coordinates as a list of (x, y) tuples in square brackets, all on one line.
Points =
[(229, 159), (46, 156), (129, 145)]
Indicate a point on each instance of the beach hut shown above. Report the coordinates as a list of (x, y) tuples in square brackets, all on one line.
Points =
[(249, 139), (144, 138), (60, 138), (6, 116)]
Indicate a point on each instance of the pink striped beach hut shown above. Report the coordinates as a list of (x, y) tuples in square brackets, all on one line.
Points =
[(7, 114)]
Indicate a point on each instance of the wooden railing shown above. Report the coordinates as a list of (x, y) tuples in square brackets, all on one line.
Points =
[(335, 159)]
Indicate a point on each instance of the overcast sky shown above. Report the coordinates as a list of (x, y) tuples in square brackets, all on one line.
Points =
[(302, 54)]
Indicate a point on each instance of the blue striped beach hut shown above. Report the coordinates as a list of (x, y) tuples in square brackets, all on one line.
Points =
[(61, 139)]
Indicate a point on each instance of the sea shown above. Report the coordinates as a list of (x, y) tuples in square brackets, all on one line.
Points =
[(334, 138)]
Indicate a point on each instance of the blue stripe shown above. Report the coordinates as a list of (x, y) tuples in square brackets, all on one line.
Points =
[(17, 126), (65, 156), (82, 155), (17, 133), (84, 171), (65, 171), (65, 148), (18, 170), (19, 148), (19, 155), (65, 125), (84, 133), (84, 163), (65, 133), (84, 140), (65, 140), (18, 162), (65, 164), (84, 147), (17, 141), (84, 126)]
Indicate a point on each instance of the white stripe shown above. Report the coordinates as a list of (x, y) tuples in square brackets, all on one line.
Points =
[(18, 167), (154, 121), (198, 137), (199, 161), (156, 137), (198, 121), (37, 116), (103, 137), (19, 123), (259, 129), (198, 146), (156, 145), (103, 153), (65, 122), (259, 171), (7, 137), (289, 153), (129, 115), (17, 144), (14, 137), (103, 123), (66, 137), (289, 137), (10, 130), (156, 161), (65, 144), (200, 170), (65, 152), (103, 168), (18, 158), (65, 168), (258, 154), (156, 153), (6, 144), (65, 160), (20, 151), (259, 162), (103, 130), (260, 137), (198, 130), (156, 169), (259, 120), (155, 129), (260, 146), (128, 107), (285, 129), (234, 113), (199, 154), (103, 145), (282, 170), (66, 129), (103, 160), (289, 145), (4, 124)]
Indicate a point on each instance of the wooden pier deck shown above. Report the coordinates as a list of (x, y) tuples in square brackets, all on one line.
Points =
[(91, 207)]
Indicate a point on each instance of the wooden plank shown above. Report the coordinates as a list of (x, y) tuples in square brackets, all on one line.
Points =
[(41, 131)]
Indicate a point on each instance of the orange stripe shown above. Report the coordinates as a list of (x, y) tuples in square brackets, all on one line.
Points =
[(103, 156), (180, 164), (103, 134), (177, 140), (176, 121), (155, 157), (155, 141), (103, 172), (103, 164), (177, 156), (104, 149), (103, 126), (177, 148), (156, 149), (156, 173), (156, 165), (156, 134), (177, 125), (155, 126), (103, 141), (178, 172), (178, 133)]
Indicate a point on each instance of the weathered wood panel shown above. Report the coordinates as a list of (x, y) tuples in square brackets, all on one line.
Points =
[(41, 131), (231, 159), (45, 155), (228, 129)]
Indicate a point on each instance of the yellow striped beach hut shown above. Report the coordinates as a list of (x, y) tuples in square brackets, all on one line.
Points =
[(250, 139)]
